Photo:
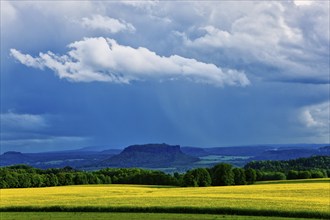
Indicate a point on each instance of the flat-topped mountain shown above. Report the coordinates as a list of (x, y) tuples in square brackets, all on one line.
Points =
[(151, 156)]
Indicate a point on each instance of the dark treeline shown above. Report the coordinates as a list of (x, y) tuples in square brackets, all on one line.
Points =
[(225, 174), (220, 175), (23, 176), (138, 176), (309, 163), (301, 168)]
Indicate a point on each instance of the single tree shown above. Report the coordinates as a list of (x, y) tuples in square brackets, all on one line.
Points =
[(239, 176), (251, 175), (222, 175)]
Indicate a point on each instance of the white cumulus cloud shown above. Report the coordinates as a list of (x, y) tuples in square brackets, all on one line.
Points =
[(275, 35), (106, 23), (103, 59), (316, 118)]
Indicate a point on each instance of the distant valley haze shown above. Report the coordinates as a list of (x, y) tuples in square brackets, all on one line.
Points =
[(207, 74)]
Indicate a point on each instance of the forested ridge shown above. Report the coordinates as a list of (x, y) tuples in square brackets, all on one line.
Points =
[(300, 164)]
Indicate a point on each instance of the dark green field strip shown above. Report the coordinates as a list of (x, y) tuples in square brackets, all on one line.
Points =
[(187, 210), (128, 215)]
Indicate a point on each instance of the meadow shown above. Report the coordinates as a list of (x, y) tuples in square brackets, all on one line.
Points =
[(305, 199), (130, 216)]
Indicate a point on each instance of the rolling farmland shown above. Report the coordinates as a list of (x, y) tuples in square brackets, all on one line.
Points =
[(308, 198)]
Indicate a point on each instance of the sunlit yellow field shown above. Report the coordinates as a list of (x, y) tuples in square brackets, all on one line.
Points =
[(311, 196)]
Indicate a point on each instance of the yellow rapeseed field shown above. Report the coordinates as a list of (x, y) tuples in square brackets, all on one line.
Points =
[(308, 196)]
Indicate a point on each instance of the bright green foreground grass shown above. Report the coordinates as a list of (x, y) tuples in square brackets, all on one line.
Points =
[(123, 216), (299, 199)]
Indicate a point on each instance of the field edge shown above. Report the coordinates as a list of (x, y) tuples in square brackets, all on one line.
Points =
[(180, 210)]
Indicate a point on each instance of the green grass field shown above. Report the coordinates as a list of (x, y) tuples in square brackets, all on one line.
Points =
[(310, 198), (123, 216)]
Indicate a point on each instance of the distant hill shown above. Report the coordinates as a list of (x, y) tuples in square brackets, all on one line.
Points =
[(14, 157), (238, 150), (262, 152), (150, 156), (170, 157), (325, 150), (56, 159), (292, 153), (195, 151)]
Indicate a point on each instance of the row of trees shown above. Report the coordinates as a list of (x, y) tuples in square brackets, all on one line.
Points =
[(301, 168), (225, 175), (220, 175), (300, 164), (138, 176), (23, 176)]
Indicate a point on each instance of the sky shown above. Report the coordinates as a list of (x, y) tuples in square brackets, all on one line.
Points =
[(194, 73)]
